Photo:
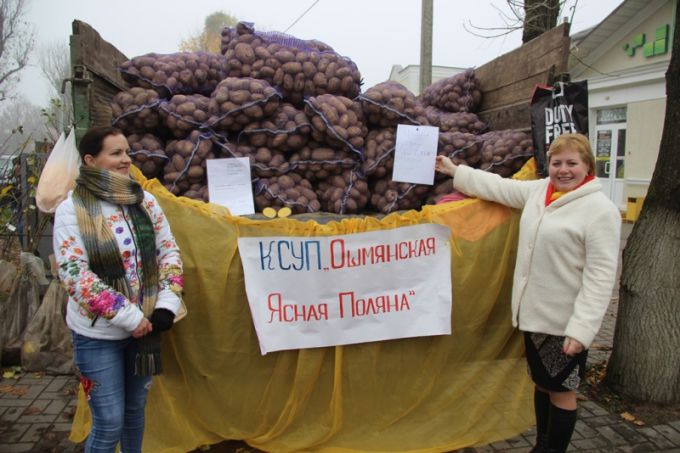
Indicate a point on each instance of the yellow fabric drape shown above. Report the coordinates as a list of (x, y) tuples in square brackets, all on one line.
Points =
[(429, 394)]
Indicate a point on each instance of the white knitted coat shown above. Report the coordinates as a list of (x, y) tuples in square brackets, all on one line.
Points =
[(567, 253)]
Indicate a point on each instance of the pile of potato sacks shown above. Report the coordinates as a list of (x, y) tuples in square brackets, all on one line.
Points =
[(294, 107)]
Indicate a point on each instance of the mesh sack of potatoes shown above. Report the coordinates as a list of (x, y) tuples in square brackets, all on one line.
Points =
[(287, 130), (389, 196), (298, 68), (197, 191), (458, 93), (337, 121), (346, 193), (318, 163), (186, 165), (136, 111), (505, 152), (237, 102), (455, 122), (291, 190), (177, 73), (463, 148), (184, 113), (148, 154), (264, 162), (390, 103), (445, 187), (379, 152)]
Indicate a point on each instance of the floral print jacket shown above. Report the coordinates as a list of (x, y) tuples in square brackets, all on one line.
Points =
[(94, 309)]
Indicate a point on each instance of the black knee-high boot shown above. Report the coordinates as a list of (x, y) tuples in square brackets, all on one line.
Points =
[(560, 428), (542, 410)]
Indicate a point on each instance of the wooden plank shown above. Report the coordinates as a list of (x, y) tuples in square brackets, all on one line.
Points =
[(520, 91), (538, 54), (508, 81), (517, 116), (96, 78), (98, 55), (102, 93)]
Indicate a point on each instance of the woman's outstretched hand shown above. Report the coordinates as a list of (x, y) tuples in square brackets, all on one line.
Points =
[(445, 165)]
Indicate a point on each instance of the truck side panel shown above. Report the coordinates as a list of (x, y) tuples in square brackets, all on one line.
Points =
[(96, 78)]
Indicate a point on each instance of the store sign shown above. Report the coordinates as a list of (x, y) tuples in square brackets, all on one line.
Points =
[(307, 292), (652, 48)]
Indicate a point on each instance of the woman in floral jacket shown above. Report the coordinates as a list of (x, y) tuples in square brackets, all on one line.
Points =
[(120, 264)]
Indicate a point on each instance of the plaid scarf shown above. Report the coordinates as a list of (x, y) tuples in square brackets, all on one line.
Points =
[(92, 185)]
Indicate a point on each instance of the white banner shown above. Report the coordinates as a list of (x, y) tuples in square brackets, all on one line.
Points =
[(307, 292)]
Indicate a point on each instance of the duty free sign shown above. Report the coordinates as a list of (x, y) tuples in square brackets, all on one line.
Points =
[(307, 292)]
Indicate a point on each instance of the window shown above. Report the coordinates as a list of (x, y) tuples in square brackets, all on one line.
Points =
[(610, 116)]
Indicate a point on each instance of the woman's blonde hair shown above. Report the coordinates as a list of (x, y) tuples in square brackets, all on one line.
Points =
[(577, 142)]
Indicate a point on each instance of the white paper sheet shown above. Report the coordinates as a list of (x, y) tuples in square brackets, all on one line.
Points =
[(415, 153), (229, 184)]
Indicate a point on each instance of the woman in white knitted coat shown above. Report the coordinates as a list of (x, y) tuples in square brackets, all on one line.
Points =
[(565, 271)]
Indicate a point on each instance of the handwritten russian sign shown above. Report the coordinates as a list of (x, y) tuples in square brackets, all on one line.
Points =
[(307, 292), (415, 154)]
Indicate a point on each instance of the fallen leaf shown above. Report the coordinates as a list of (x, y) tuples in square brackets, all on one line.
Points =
[(17, 391), (20, 391), (32, 410), (639, 423), (627, 416), (9, 374)]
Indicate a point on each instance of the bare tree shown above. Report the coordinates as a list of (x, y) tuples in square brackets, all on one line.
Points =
[(645, 361), (23, 122), (55, 64), (534, 17), (209, 38), (16, 43)]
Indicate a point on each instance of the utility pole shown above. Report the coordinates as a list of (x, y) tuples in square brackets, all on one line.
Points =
[(426, 45)]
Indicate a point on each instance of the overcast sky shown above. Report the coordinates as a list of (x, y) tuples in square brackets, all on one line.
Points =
[(375, 34)]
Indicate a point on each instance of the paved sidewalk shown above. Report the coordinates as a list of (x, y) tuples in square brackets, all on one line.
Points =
[(36, 412)]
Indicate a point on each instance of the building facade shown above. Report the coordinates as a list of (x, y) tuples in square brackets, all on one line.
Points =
[(625, 58)]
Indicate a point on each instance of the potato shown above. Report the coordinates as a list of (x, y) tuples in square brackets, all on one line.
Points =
[(458, 93), (187, 161), (178, 73), (379, 152), (328, 113), (390, 103), (389, 196), (455, 122), (148, 154), (237, 102), (136, 111), (318, 163), (184, 113), (264, 162), (344, 194), (287, 130), (506, 151), (297, 67), (290, 190)]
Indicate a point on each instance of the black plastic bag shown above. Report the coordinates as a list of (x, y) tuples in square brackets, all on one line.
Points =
[(559, 110)]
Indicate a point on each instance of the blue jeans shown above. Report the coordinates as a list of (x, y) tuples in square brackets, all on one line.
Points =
[(116, 396)]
